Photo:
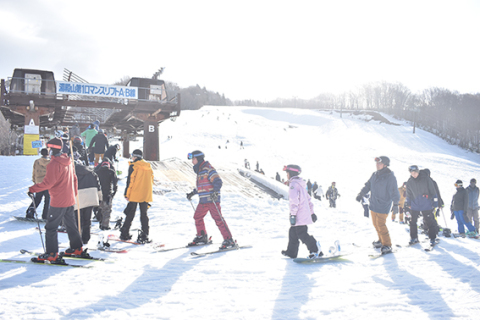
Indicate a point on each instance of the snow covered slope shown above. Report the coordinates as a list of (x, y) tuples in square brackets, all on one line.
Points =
[(257, 283)]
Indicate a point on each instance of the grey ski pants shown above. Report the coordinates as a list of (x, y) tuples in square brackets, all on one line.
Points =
[(473, 214)]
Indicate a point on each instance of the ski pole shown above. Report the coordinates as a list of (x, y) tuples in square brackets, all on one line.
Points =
[(192, 204), (38, 222), (444, 219), (78, 200)]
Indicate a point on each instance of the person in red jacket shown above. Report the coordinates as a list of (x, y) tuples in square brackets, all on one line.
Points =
[(61, 182)]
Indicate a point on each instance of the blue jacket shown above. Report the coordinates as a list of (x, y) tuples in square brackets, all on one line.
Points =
[(472, 197), (384, 191)]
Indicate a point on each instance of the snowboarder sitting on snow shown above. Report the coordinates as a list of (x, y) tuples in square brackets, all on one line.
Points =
[(61, 182), (39, 171), (208, 188), (332, 194), (382, 186), (138, 191), (301, 215)]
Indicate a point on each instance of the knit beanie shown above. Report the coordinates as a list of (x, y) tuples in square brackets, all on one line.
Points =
[(44, 152), (55, 143), (137, 153)]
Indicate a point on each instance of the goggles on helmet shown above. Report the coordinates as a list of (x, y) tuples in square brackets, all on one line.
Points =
[(287, 168), (194, 155), (413, 168)]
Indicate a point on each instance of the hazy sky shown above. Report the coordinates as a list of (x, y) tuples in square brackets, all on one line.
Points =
[(249, 49)]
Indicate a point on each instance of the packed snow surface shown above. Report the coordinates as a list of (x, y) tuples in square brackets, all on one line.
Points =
[(257, 283)]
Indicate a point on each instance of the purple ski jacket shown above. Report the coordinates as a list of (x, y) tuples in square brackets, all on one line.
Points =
[(300, 203)]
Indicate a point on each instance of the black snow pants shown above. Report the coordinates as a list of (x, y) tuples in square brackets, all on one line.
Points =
[(428, 222), (54, 217), (130, 212), (297, 233)]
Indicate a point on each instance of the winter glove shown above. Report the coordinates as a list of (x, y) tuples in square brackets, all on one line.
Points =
[(359, 197), (314, 217), (214, 196), (293, 220), (437, 213), (395, 208), (190, 195), (452, 216), (30, 194)]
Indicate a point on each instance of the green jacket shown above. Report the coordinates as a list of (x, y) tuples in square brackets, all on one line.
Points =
[(88, 135)]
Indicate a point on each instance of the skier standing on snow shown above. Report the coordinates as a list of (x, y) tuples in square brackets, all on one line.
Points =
[(99, 144), (301, 215), (108, 181), (318, 193), (332, 194), (421, 199), (403, 195), (61, 182), (472, 211), (382, 186), (138, 191), (459, 209), (309, 188), (439, 204), (89, 196), (208, 188), (88, 136), (39, 171)]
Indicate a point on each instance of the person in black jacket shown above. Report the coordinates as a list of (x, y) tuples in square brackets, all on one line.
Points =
[(99, 144), (421, 199), (439, 203), (459, 208), (108, 182), (89, 196)]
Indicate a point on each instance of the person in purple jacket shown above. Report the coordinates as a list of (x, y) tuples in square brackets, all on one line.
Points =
[(301, 215)]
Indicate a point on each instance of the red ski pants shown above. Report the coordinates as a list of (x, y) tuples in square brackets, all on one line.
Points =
[(201, 212)]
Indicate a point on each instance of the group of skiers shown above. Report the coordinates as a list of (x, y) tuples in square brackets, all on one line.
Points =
[(419, 196)]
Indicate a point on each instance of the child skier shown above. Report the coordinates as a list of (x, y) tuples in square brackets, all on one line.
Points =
[(301, 215)]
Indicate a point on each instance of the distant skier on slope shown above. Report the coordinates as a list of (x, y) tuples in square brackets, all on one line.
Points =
[(301, 215), (208, 188), (382, 186), (332, 194)]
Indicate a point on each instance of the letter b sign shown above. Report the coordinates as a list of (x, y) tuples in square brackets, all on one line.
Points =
[(151, 128)]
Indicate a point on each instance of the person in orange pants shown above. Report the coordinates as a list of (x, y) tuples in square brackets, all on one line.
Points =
[(382, 186)]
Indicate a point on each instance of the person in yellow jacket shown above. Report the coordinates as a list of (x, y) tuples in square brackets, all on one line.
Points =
[(139, 191), (403, 194)]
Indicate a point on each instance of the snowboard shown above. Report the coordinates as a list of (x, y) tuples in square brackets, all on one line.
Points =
[(335, 258), (202, 254)]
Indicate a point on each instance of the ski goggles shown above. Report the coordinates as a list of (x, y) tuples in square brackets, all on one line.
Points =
[(458, 185), (378, 159), (413, 168), (194, 155), (287, 168)]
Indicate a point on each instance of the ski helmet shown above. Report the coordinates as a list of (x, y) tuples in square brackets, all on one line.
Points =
[(293, 169), (383, 159), (196, 154)]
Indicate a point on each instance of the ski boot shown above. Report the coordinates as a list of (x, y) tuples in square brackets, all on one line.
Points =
[(79, 252), (30, 214), (143, 237), (201, 239), (54, 258), (386, 249), (227, 244), (377, 244)]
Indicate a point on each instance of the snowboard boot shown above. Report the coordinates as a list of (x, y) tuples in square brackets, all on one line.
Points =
[(118, 224), (432, 242), (227, 244), (413, 241), (201, 239), (377, 244), (143, 237), (49, 258), (125, 236), (386, 249)]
